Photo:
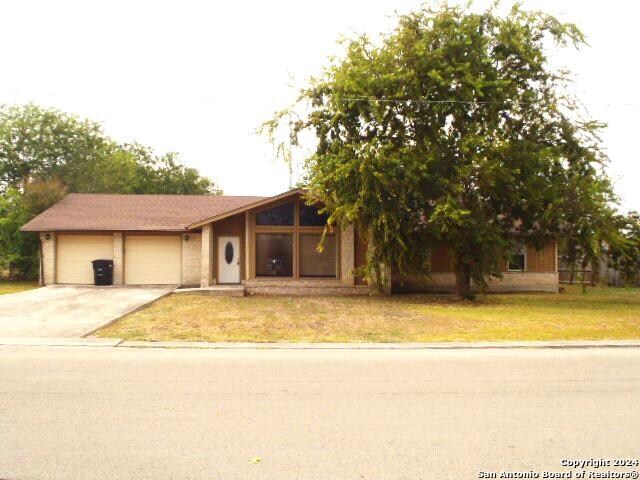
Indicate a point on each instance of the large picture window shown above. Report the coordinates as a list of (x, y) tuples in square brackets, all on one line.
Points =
[(314, 263), (274, 255), (285, 240)]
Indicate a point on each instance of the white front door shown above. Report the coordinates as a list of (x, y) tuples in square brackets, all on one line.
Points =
[(228, 259)]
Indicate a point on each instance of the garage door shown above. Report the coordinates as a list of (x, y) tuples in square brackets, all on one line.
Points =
[(75, 253), (152, 260)]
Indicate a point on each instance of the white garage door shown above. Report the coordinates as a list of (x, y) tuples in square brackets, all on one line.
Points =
[(152, 260), (75, 253)]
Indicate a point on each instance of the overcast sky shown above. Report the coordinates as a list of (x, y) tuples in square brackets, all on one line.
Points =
[(199, 77)]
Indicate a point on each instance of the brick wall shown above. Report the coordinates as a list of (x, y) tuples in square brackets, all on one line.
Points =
[(191, 259), (118, 259), (206, 265), (304, 287), (48, 258), (347, 255), (510, 282)]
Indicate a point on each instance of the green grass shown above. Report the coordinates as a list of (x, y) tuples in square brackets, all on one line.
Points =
[(7, 286), (597, 314)]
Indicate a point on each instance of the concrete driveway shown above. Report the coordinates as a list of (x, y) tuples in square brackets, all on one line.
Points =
[(69, 311)]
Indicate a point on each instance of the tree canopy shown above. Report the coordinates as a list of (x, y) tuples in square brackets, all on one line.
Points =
[(624, 255), (46, 153), (38, 144), (454, 129)]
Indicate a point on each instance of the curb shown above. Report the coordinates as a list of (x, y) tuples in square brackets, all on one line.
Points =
[(119, 343), (381, 346)]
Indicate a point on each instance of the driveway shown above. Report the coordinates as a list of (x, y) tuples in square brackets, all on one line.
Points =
[(69, 311)]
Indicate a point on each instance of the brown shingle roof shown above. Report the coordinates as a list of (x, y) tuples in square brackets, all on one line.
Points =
[(86, 211)]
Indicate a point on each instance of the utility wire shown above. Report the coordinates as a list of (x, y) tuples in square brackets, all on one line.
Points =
[(467, 102), (420, 100)]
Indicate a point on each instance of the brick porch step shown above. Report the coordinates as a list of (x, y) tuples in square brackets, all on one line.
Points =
[(216, 290)]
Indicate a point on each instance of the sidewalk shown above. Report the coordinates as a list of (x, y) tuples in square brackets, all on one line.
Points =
[(119, 343)]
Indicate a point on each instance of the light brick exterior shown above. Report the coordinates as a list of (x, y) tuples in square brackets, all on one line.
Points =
[(526, 282), (206, 266), (118, 259), (48, 267), (191, 259), (347, 255), (303, 287), (247, 246), (510, 282)]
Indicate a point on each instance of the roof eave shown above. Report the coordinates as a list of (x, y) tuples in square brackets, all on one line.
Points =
[(249, 206), (116, 229)]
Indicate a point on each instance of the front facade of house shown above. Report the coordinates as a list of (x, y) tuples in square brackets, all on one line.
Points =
[(267, 245)]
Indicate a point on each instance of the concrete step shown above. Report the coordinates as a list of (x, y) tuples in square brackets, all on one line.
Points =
[(216, 290)]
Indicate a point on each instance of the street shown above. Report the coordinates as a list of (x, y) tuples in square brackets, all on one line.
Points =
[(116, 413)]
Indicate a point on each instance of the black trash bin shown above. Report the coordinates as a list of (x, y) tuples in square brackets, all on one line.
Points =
[(102, 272)]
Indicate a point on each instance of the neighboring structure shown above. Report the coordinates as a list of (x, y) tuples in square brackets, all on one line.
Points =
[(269, 245), (603, 273)]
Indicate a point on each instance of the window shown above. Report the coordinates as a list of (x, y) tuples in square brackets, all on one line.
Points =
[(309, 216), (314, 263), (517, 258), (285, 240), (274, 254), (281, 215)]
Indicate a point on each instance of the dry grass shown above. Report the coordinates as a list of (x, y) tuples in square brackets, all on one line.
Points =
[(7, 286), (598, 314)]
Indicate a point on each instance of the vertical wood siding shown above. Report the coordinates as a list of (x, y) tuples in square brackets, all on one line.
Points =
[(543, 260), (538, 261), (441, 260)]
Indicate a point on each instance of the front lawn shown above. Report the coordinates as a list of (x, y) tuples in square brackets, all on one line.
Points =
[(7, 286), (598, 314)]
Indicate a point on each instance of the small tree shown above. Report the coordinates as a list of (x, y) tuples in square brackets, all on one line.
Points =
[(589, 223), (453, 129), (19, 251), (625, 255)]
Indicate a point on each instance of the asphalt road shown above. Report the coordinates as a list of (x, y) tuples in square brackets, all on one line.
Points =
[(103, 413)]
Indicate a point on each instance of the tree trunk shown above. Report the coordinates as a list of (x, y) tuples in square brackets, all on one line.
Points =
[(595, 272), (572, 272), (463, 283)]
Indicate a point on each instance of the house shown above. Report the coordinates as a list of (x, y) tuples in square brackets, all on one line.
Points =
[(266, 244)]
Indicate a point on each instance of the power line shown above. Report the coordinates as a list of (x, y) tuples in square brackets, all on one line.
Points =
[(468, 102), (421, 100)]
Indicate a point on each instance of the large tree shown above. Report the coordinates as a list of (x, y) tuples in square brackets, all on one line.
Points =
[(451, 129), (39, 144), (45, 153)]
